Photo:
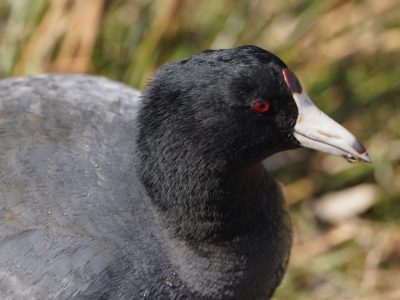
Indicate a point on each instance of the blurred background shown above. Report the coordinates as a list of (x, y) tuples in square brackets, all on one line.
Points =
[(346, 53)]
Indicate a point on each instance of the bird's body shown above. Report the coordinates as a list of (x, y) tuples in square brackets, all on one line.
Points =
[(107, 196), (76, 222)]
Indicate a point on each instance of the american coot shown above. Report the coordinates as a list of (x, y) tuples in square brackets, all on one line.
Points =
[(105, 196)]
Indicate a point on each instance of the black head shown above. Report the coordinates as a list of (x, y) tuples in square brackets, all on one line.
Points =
[(237, 105), (232, 103)]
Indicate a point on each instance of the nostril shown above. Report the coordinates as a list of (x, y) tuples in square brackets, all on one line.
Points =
[(328, 134)]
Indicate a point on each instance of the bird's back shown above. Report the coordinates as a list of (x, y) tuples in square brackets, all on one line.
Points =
[(73, 217)]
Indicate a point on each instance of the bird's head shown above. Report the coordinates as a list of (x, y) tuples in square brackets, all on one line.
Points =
[(243, 102)]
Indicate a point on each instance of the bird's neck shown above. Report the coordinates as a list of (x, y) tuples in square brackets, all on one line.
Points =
[(220, 224), (203, 197)]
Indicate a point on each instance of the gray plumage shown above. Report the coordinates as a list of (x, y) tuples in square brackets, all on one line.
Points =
[(106, 193), (75, 222)]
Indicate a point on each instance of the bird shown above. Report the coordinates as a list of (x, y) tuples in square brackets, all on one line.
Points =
[(111, 193)]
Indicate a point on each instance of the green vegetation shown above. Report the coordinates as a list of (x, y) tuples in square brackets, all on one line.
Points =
[(347, 55)]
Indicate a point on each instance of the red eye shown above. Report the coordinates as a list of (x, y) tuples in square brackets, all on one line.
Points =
[(261, 106)]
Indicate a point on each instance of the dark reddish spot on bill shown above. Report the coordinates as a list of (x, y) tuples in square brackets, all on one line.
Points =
[(292, 82), (359, 147)]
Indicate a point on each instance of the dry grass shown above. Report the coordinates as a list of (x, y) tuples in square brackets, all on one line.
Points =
[(346, 53)]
